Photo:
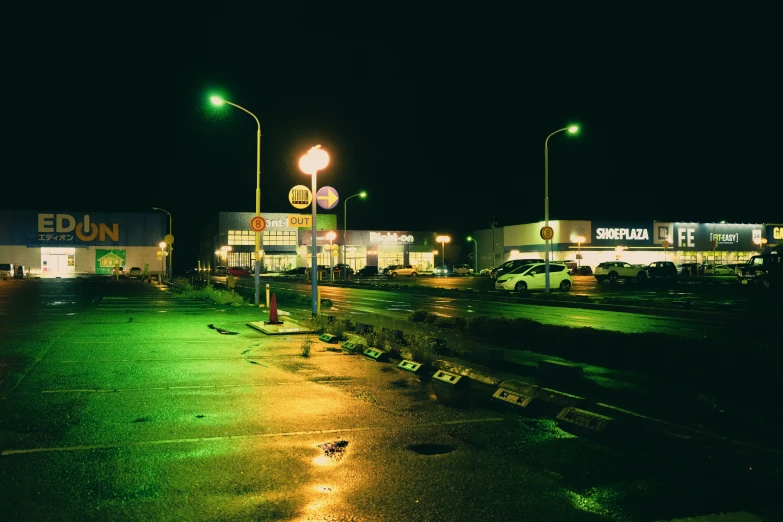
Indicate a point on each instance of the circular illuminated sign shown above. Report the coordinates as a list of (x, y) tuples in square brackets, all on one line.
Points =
[(547, 233), (257, 224), (300, 196), (665, 244)]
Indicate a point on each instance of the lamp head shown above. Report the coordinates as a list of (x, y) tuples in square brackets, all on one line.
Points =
[(162, 245), (331, 236), (573, 129), (362, 194), (470, 238), (216, 100), (316, 159)]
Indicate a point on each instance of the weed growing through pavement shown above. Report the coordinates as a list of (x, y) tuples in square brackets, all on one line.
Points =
[(306, 346)]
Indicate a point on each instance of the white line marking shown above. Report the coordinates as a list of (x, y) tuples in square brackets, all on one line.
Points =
[(193, 387), (238, 437)]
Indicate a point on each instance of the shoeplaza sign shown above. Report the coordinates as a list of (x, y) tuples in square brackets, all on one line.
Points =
[(680, 236)]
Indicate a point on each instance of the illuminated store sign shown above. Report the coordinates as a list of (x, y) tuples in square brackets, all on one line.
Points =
[(63, 227), (623, 234), (388, 237)]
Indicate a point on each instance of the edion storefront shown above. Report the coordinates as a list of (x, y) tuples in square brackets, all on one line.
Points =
[(593, 242), (69, 243)]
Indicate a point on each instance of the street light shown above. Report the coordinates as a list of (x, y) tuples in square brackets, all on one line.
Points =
[(443, 240), (162, 246), (579, 240), (362, 195), (572, 129), (475, 245), (217, 100), (171, 248), (316, 159), (330, 236)]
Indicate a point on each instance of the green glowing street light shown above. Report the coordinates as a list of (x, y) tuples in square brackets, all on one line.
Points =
[(217, 100), (362, 195), (475, 245), (572, 129)]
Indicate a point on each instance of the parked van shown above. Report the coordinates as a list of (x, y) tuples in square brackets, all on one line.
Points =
[(765, 270), (6, 270)]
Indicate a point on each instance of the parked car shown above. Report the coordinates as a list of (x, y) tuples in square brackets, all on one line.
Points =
[(6, 270), (737, 267), (135, 272), (665, 269), (238, 271), (385, 271), (220, 270), (367, 271), (613, 271), (298, 271), (533, 277), (339, 267), (322, 269), (765, 270), (508, 266), (448, 270), (718, 270), (403, 270), (487, 271), (691, 269)]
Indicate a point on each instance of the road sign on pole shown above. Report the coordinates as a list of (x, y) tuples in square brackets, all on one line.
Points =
[(257, 224), (300, 196), (327, 197), (547, 233)]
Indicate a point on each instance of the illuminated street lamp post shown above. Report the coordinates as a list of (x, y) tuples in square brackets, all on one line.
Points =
[(572, 129), (579, 240), (434, 255), (362, 195), (170, 273), (330, 236), (443, 240), (217, 100), (475, 249), (316, 159), (162, 246)]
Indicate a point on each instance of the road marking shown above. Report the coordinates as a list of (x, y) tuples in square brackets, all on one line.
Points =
[(193, 387), (251, 436), (164, 360)]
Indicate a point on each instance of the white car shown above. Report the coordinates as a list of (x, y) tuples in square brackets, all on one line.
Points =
[(533, 277), (135, 272), (403, 270), (613, 270)]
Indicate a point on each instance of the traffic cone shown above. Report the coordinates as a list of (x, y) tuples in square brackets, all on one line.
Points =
[(273, 311)]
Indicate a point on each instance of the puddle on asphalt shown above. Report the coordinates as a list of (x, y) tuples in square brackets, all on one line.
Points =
[(431, 449)]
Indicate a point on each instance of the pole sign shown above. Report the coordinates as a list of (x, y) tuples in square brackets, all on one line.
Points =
[(327, 198), (257, 224), (300, 196), (547, 233)]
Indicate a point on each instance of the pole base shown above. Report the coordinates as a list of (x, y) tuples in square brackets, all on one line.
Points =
[(273, 322)]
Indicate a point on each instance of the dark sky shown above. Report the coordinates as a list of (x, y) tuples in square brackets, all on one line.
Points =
[(441, 116)]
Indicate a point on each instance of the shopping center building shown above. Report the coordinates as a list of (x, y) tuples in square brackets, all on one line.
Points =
[(63, 244), (593, 242)]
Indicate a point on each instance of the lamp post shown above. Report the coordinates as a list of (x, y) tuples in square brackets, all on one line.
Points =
[(170, 273), (162, 246), (572, 129), (331, 236), (362, 195), (316, 159), (475, 249), (217, 100), (579, 240), (443, 240)]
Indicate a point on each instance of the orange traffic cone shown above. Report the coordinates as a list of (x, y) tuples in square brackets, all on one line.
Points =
[(273, 311)]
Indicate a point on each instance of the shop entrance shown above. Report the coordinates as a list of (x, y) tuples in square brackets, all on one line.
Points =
[(58, 261)]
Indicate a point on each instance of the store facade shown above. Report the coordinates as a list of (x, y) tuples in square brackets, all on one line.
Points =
[(637, 242), (69, 243)]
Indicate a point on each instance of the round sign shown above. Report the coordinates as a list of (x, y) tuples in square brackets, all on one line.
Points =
[(665, 244), (300, 196), (168, 239), (257, 224), (547, 233)]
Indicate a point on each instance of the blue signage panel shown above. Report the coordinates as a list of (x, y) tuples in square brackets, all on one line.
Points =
[(622, 233), (34, 228), (727, 236)]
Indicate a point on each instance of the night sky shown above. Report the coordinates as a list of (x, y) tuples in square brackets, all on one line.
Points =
[(440, 116)]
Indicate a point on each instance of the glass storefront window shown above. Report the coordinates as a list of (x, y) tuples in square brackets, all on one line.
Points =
[(423, 260)]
